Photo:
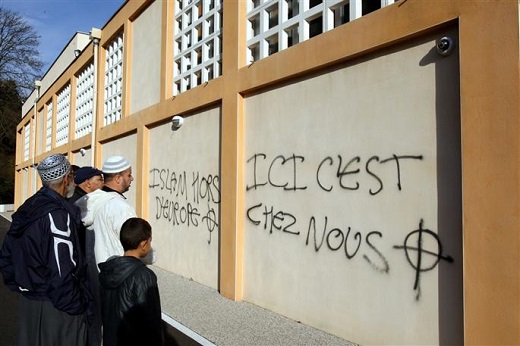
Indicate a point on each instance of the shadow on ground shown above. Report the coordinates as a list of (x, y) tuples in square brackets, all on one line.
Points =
[(9, 310)]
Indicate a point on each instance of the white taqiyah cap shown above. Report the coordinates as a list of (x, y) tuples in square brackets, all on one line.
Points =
[(115, 164)]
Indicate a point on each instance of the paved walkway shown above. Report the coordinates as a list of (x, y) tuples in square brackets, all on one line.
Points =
[(196, 314), (221, 321)]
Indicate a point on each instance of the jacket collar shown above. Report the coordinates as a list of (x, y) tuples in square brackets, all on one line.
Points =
[(108, 189)]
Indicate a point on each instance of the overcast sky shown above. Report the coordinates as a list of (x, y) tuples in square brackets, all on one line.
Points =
[(57, 21)]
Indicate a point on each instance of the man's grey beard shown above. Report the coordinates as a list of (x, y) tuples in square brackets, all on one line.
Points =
[(70, 189)]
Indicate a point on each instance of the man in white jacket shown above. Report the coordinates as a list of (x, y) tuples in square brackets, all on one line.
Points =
[(107, 208), (103, 212)]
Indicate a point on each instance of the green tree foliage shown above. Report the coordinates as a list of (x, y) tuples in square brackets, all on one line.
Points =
[(10, 115), (10, 110), (19, 55), (7, 179)]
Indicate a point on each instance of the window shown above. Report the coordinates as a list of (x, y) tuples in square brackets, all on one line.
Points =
[(292, 36), (292, 8), (26, 141), (295, 21), (341, 14), (273, 16), (369, 6), (48, 141), (84, 101), (113, 81), (63, 116), (273, 44), (315, 26), (197, 35)]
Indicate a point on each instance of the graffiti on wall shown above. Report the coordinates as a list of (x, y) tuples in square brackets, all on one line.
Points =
[(420, 258), (186, 199), (362, 175)]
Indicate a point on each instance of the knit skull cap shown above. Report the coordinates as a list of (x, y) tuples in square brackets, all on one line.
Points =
[(85, 173), (115, 164), (53, 167)]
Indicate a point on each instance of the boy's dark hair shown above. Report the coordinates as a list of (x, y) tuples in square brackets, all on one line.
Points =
[(133, 232)]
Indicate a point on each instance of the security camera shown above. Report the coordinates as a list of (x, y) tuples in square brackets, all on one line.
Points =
[(177, 122), (82, 152), (445, 46)]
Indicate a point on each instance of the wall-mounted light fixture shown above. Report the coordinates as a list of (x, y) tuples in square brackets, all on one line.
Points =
[(445, 46), (95, 34), (177, 122), (82, 152), (77, 52)]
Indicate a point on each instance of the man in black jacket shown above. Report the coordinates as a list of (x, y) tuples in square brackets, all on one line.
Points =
[(130, 303), (42, 260), (86, 179)]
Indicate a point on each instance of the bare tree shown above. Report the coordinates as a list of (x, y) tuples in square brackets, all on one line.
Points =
[(20, 66), (19, 55)]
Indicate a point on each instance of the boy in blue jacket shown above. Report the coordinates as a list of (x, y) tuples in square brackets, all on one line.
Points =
[(130, 303)]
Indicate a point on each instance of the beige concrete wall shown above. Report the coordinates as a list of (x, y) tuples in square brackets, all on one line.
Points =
[(346, 175), (82, 160), (146, 58), (78, 40), (40, 139), (489, 114), (126, 147), (184, 196), (26, 190)]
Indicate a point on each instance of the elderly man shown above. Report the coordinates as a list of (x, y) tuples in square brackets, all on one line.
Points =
[(41, 259), (87, 179)]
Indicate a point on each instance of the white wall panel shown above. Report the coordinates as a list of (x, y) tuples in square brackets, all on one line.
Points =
[(184, 192), (126, 147), (146, 58), (353, 221)]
